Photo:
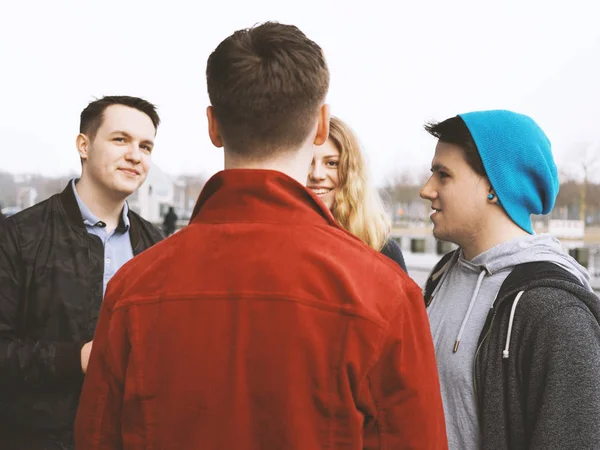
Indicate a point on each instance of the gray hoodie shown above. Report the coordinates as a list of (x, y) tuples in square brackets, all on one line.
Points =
[(457, 314)]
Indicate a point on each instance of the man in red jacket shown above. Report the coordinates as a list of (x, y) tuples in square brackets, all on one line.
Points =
[(263, 324)]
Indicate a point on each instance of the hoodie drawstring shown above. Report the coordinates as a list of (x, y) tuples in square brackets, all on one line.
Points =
[(468, 314), (510, 324)]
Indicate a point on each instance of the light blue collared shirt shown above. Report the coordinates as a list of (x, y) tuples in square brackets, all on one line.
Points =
[(117, 244)]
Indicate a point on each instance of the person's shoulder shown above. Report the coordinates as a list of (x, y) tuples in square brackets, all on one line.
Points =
[(383, 273), (547, 283), (543, 299), (392, 250), (550, 316), (548, 293), (24, 231), (379, 280), (391, 247), (35, 217), (359, 253)]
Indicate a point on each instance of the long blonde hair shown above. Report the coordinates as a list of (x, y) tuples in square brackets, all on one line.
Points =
[(357, 205)]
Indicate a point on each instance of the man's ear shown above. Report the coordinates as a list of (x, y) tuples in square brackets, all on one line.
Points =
[(83, 146), (213, 128), (323, 126)]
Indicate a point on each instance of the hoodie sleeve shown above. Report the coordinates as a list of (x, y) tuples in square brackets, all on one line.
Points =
[(402, 388), (562, 379)]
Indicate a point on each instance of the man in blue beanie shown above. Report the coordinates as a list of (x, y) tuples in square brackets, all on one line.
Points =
[(514, 321)]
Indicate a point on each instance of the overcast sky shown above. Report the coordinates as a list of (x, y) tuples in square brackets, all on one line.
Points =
[(394, 65)]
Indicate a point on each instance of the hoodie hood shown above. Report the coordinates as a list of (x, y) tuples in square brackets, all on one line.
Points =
[(498, 262), (526, 249)]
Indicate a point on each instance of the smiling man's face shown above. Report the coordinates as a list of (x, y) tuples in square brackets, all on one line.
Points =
[(118, 157)]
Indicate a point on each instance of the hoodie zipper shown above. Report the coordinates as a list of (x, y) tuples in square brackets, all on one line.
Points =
[(487, 333), (488, 330)]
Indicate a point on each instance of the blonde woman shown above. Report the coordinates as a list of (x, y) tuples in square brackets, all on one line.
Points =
[(338, 175)]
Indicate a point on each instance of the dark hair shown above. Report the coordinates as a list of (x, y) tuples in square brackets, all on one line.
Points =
[(266, 84), (455, 131), (93, 114)]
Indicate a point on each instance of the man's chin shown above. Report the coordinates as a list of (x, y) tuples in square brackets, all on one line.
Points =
[(444, 237), (126, 190), (439, 234)]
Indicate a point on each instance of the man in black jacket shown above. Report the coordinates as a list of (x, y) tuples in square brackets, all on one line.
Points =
[(56, 259)]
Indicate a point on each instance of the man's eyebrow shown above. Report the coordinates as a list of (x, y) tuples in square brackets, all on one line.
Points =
[(127, 135), (124, 133), (438, 167)]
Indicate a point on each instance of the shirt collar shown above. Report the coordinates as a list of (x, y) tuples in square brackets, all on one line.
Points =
[(91, 220)]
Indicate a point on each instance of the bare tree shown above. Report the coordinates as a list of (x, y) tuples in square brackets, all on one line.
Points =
[(583, 163)]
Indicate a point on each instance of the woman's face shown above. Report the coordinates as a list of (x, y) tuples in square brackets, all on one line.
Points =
[(323, 177)]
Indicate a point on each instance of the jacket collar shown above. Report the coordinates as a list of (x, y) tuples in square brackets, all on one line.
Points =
[(89, 219), (69, 203), (251, 195)]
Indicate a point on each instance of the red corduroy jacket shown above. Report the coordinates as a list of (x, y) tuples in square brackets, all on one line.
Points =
[(262, 325)]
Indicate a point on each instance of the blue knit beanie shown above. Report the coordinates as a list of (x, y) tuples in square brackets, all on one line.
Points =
[(517, 157)]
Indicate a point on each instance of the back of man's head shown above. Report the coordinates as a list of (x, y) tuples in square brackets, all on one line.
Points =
[(266, 85)]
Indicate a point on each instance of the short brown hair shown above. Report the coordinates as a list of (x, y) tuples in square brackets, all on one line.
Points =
[(454, 131), (93, 115), (266, 84)]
